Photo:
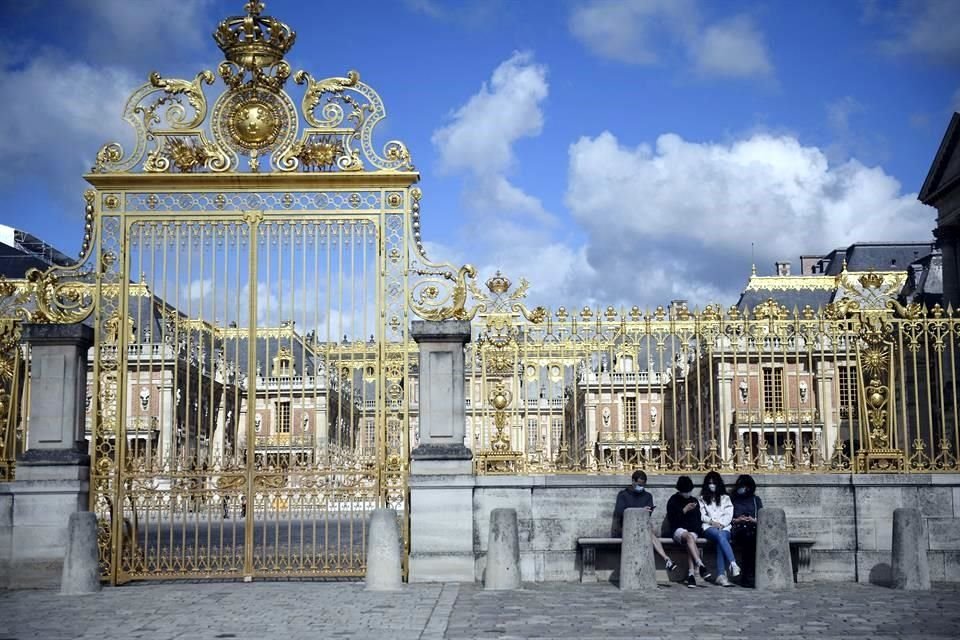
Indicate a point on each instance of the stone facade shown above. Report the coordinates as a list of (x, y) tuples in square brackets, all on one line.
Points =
[(850, 517), (941, 190)]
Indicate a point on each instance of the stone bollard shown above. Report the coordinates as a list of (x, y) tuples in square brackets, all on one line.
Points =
[(503, 551), (81, 564), (774, 566), (910, 569), (638, 572), (383, 552)]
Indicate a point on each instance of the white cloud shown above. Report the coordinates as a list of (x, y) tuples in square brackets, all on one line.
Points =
[(645, 31), (685, 213), (463, 13), (69, 99), (632, 31), (479, 140), (733, 48), (930, 28), (839, 113), (61, 121)]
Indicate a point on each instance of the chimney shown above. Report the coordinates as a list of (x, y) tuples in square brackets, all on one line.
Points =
[(783, 269)]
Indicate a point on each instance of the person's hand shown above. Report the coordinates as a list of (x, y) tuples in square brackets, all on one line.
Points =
[(714, 523), (689, 507)]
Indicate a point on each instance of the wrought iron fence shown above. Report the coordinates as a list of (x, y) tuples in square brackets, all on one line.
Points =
[(14, 381), (864, 385)]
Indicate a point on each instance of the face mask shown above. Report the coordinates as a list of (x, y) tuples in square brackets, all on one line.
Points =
[(741, 491), (638, 488), (686, 494), (712, 487)]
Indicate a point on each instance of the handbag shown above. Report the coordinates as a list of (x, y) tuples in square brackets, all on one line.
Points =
[(746, 531)]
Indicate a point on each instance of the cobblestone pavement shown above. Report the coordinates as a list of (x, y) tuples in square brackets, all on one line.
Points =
[(317, 610)]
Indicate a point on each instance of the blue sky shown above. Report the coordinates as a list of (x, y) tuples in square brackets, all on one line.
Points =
[(611, 152)]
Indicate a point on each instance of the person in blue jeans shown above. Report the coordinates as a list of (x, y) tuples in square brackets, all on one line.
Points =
[(716, 516)]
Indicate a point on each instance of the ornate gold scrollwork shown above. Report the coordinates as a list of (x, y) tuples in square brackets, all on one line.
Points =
[(875, 358), (426, 300), (254, 117), (57, 301), (500, 398), (193, 90)]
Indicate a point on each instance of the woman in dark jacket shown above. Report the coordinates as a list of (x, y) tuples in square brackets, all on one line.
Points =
[(746, 504), (683, 516)]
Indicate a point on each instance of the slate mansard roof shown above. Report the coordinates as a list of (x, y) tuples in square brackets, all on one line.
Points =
[(921, 261)]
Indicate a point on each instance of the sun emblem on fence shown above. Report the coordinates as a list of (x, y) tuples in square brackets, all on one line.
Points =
[(254, 117)]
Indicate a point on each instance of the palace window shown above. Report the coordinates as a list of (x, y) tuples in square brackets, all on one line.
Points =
[(283, 417), (556, 427), (630, 414), (283, 363), (371, 436), (772, 390), (847, 378), (532, 428)]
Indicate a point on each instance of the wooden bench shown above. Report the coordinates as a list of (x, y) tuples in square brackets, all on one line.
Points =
[(587, 547)]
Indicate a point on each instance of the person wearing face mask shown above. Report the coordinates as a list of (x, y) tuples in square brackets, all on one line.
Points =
[(746, 504), (636, 496), (683, 516), (716, 516)]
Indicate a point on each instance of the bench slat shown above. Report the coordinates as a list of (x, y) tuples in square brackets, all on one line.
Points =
[(588, 557)]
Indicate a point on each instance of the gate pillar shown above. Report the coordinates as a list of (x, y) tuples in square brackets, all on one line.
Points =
[(52, 478), (441, 471)]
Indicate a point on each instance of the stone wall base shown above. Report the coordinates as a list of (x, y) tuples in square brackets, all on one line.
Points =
[(40, 501), (850, 518)]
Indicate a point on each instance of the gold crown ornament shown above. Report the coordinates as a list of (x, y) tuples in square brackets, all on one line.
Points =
[(871, 280), (498, 284), (254, 42)]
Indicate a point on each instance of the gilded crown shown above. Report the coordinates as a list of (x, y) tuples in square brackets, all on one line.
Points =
[(498, 284), (254, 41), (871, 280)]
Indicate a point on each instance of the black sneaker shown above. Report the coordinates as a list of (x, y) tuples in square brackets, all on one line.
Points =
[(670, 565), (704, 572), (691, 581)]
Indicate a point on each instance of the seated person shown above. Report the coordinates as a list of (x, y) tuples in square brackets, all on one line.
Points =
[(746, 504), (716, 515), (637, 497), (683, 516)]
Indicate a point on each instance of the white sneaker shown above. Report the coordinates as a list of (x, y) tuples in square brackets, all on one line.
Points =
[(734, 570), (722, 581)]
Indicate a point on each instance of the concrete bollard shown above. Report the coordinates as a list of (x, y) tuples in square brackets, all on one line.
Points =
[(503, 551), (81, 564), (638, 572), (383, 552), (774, 566), (910, 569)]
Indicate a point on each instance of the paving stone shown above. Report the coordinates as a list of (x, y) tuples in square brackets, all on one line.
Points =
[(302, 610)]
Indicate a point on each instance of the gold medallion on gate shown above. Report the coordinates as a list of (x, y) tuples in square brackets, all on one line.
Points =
[(253, 124), (254, 120)]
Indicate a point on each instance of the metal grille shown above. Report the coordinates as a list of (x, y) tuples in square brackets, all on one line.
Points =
[(842, 389), (241, 415), (14, 389)]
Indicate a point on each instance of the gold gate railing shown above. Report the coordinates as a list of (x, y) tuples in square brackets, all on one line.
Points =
[(247, 282), (14, 377), (864, 385)]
